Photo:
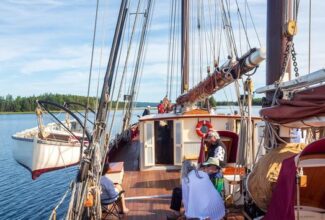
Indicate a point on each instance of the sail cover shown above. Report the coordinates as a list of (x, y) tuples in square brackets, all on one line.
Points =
[(304, 104), (312, 196)]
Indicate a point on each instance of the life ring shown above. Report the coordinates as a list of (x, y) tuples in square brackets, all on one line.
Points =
[(203, 127)]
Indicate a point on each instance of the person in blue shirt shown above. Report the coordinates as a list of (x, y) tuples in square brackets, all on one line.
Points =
[(146, 111), (110, 192)]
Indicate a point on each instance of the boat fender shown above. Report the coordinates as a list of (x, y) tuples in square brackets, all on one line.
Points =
[(203, 127)]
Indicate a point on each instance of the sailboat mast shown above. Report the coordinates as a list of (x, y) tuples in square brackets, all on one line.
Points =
[(185, 46), (276, 41), (106, 91), (89, 170), (147, 14)]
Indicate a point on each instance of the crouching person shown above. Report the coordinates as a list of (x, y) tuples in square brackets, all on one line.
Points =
[(199, 196)]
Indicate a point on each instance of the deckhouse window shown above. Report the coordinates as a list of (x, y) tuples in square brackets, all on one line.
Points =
[(149, 133)]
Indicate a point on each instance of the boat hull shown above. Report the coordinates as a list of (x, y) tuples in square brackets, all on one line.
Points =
[(40, 156)]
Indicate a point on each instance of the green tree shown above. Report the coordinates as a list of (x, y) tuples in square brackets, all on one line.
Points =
[(212, 101)]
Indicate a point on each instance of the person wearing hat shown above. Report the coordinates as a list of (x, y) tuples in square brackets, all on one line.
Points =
[(213, 169), (216, 148), (213, 165), (200, 198)]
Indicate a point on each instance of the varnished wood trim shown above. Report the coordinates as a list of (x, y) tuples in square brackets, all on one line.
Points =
[(195, 116)]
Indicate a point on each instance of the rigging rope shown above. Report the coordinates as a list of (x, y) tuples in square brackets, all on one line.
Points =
[(53, 213), (205, 37), (200, 37), (139, 60), (89, 81), (144, 55), (115, 78), (219, 37), (226, 26), (211, 35), (227, 99), (169, 46), (173, 48), (215, 29), (90, 167), (309, 37), (192, 44), (100, 60), (178, 64), (253, 23), (239, 34), (125, 66), (231, 32)]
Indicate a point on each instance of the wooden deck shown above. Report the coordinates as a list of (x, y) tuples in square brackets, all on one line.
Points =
[(148, 193), (155, 209), (150, 183)]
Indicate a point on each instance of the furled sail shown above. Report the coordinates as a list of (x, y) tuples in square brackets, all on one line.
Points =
[(223, 76), (302, 105)]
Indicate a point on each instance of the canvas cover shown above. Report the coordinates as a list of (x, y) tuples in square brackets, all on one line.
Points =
[(264, 175), (284, 194), (304, 104)]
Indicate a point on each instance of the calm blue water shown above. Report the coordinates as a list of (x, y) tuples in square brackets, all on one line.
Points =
[(24, 198), (20, 196)]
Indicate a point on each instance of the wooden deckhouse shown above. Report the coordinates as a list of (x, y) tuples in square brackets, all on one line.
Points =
[(167, 139)]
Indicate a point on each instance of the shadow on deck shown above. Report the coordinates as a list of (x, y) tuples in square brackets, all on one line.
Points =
[(150, 183), (155, 184), (148, 193), (155, 209)]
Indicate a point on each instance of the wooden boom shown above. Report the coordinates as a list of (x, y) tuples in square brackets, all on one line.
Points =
[(223, 76)]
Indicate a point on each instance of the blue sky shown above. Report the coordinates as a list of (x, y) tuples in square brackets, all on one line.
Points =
[(46, 45)]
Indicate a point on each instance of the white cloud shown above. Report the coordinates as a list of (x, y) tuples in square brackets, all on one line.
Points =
[(46, 44), (51, 65), (74, 57)]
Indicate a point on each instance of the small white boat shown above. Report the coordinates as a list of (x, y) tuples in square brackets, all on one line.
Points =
[(57, 150)]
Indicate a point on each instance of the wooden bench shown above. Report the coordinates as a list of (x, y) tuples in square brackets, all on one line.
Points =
[(234, 171), (116, 172)]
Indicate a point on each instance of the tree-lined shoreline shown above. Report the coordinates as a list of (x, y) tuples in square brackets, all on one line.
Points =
[(9, 104)]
